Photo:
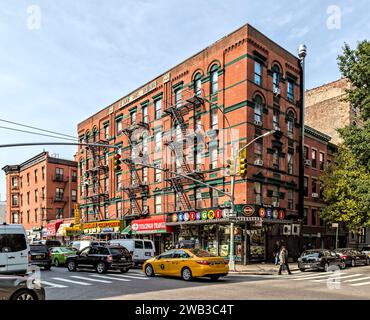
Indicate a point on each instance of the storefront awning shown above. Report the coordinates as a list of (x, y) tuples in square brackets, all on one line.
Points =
[(155, 224), (127, 230), (52, 227), (62, 229)]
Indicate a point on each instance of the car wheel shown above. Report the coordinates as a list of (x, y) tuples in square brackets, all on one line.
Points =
[(367, 262), (149, 270), (215, 277), (23, 295), (124, 270), (71, 266), (101, 268), (342, 265), (186, 274), (302, 269), (353, 263), (326, 267), (56, 263)]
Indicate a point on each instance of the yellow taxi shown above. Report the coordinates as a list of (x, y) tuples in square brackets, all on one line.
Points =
[(187, 264)]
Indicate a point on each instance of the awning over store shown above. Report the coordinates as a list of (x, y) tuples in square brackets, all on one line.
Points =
[(155, 224), (62, 229), (127, 230), (52, 227)]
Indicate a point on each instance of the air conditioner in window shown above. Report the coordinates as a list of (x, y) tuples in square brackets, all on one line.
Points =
[(296, 229), (276, 91), (276, 204), (315, 195), (287, 230), (276, 127), (258, 123), (307, 162), (258, 162)]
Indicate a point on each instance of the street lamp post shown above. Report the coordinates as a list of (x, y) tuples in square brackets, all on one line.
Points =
[(232, 200)]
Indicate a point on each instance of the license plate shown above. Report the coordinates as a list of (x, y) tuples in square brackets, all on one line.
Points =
[(147, 254), (307, 266), (39, 257)]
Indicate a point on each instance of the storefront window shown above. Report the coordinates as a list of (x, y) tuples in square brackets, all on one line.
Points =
[(257, 245)]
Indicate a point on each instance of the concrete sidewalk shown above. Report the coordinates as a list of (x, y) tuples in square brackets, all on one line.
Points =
[(261, 268)]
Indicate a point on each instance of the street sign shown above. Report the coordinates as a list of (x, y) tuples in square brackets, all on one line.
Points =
[(335, 225), (77, 214)]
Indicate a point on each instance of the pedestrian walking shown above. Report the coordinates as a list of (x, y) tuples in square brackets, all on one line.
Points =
[(283, 257), (276, 252)]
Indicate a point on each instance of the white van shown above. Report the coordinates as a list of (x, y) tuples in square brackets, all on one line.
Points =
[(141, 250), (14, 249)]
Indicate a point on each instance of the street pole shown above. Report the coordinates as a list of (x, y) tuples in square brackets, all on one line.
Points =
[(336, 238), (232, 200)]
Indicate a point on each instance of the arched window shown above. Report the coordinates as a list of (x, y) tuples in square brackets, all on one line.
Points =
[(290, 122), (198, 84), (275, 77), (258, 110), (214, 79)]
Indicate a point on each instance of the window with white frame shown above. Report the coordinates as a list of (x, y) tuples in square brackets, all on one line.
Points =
[(290, 163), (145, 114), (106, 131), (290, 90), (258, 109), (214, 119), (290, 199), (119, 127), (157, 173), (214, 155), (119, 182), (214, 79), (158, 203), (157, 109), (258, 150), (276, 77), (198, 85), (257, 73), (258, 192), (178, 99), (158, 141)]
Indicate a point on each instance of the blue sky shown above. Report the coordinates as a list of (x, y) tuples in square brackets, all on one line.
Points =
[(87, 54)]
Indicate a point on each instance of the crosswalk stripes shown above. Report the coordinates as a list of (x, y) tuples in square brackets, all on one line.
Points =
[(358, 279), (53, 285), (359, 284), (109, 277), (72, 281), (89, 279), (337, 277), (130, 277)]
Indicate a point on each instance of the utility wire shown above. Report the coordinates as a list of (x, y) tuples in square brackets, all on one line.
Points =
[(36, 133), (24, 125)]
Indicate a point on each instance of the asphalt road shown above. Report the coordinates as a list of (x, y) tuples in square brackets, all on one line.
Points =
[(351, 283)]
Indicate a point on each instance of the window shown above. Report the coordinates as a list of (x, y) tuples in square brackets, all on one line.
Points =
[(13, 242), (198, 85), (305, 153), (321, 161), (214, 119), (290, 90), (59, 172), (258, 192), (145, 114), (258, 109), (313, 158), (214, 79), (119, 209), (290, 123), (14, 182), (275, 159), (74, 176), (133, 117), (106, 211), (275, 119), (119, 182), (106, 131), (36, 214), (21, 181), (275, 196), (290, 163), (213, 160), (290, 199), (43, 193), (28, 197), (28, 216), (314, 185), (198, 159), (158, 141), (178, 101), (145, 175), (35, 175), (144, 203), (198, 198), (158, 203), (36, 197), (257, 73), (43, 173), (214, 198), (59, 213), (258, 150), (305, 215), (43, 214), (157, 173), (21, 196), (59, 192), (275, 78), (139, 244), (28, 179), (313, 217), (157, 109), (119, 127), (15, 200), (321, 190), (148, 245), (74, 195), (305, 186)]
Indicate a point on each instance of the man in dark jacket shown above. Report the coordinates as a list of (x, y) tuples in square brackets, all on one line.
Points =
[(276, 252)]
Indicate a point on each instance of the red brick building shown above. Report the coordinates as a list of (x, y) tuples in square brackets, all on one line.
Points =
[(41, 193), (244, 82)]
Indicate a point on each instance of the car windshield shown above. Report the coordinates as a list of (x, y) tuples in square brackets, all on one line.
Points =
[(38, 248), (201, 253), (311, 254)]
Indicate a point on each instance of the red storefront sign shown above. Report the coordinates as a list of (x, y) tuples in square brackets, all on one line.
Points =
[(156, 224), (52, 228)]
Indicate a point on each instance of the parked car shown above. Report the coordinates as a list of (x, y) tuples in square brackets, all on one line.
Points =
[(59, 255), (14, 249), (320, 259), (366, 250), (20, 288), (82, 244), (187, 264), (40, 256), (141, 250), (353, 257), (101, 258)]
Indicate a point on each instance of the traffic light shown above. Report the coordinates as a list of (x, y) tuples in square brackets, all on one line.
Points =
[(117, 162), (242, 164), (230, 167)]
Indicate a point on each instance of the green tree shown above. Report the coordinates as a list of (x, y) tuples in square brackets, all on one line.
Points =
[(346, 180)]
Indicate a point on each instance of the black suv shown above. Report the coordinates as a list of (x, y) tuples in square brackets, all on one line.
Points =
[(40, 256), (320, 259), (101, 258)]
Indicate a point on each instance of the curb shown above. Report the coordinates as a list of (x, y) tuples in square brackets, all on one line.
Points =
[(258, 272)]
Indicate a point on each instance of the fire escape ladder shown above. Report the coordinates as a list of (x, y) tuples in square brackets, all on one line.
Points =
[(184, 200)]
